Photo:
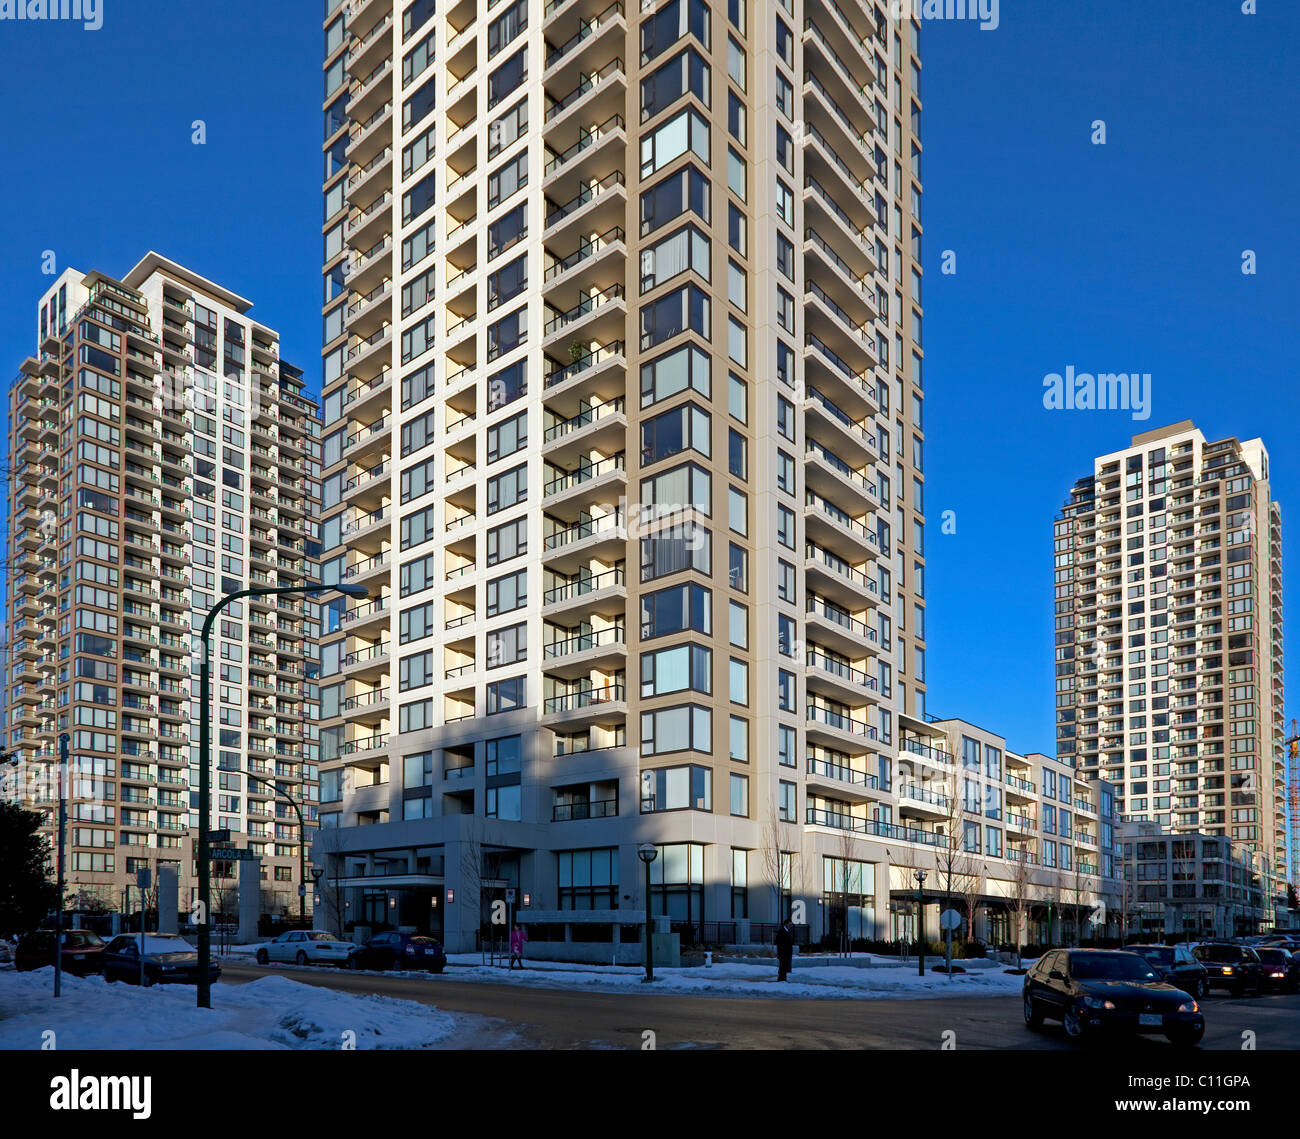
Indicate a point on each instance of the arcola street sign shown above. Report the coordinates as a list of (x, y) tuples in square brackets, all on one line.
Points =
[(230, 854)]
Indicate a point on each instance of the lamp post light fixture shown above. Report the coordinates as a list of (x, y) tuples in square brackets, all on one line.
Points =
[(920, 921), (648, 852), (204, 985)]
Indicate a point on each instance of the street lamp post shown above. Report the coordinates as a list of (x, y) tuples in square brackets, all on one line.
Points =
[(302, 843), (648, 852), (205, 759), (920, 921)]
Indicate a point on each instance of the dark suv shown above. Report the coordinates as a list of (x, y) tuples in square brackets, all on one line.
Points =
[(1176, 965), (1232, 967), (81, 951)]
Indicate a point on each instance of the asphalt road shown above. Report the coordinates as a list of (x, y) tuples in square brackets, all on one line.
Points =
[(523, 1016)]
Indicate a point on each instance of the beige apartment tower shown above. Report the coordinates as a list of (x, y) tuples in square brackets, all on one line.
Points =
[(623, 431), (163, 455), (1169, 637)]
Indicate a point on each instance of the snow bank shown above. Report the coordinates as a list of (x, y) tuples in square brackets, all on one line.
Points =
[(273, 1012)]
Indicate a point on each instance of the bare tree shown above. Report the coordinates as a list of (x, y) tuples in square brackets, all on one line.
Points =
[(956, 866), (970, 889), (1020, 901), (848, 851), (471, 869)]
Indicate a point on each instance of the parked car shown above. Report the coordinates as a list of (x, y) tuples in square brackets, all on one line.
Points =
[(1280, 968), (399, 951), (1232, 967), (1175, 964), (82, 951), (168, 958), (306, 947), (1095, 990)]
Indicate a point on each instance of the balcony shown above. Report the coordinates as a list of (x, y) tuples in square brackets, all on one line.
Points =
[(605, 706), (935, 755), (573, 656), (591, 482), (841, 780), (840, 728), (590, 809), (921, 802), (594, 44), (838, 629), (600, 593)]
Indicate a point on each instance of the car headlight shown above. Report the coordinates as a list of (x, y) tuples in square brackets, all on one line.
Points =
[(1189, 1006), (1098, 1002), (1227, 969), (1278, 974)]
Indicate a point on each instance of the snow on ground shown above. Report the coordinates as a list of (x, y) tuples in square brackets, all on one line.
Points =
[(272, 1012), (752, 979), (870, 978)]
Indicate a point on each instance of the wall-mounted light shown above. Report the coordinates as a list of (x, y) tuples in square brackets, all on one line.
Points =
[(451, 896), (528, 899)]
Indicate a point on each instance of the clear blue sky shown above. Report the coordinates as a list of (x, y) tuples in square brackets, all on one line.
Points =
[(1124, 257)]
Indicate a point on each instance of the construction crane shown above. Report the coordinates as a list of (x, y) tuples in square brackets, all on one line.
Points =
[(1293, 752)]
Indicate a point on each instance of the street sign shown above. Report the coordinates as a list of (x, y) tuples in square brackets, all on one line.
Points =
[(219, 836), (142, 877), (950, 919), (302, 889), (231, 854), (510, 895)]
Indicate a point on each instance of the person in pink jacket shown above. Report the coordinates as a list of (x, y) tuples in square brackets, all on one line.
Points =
[(517, 938)]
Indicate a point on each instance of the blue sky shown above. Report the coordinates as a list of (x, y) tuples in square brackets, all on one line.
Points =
[(1123, 257)]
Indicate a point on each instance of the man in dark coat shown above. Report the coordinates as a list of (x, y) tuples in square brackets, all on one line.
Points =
[(784, 950)]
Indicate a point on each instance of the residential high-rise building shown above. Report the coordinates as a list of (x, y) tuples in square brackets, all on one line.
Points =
[(162, 456), (623, 432), (1169, 637)]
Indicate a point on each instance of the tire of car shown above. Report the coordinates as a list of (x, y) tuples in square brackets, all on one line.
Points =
[(353, 963), (1238, 989), (1202, 988), (150, 979), (1033, 1017), (436, 968), (302, 957), (1185, 1037), (263, 958), (1074, 1027)]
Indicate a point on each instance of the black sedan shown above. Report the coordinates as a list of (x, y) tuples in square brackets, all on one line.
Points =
[(167, 959), (1281, 969), (1095, 990), (400, 951), (1175, 964), (1232, 967)]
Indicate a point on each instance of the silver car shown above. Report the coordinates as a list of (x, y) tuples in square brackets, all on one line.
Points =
[(306, 947)]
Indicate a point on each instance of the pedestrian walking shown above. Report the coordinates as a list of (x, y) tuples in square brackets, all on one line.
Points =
[(784, 950), (518, 937)]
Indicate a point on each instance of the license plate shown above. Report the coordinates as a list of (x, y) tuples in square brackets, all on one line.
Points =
[(1152, 1018)]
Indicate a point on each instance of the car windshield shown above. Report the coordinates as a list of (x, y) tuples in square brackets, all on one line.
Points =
[(81, 939), (1157, 955), (321, 935), (1274, 956), (423, 941), (1108, 967)]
